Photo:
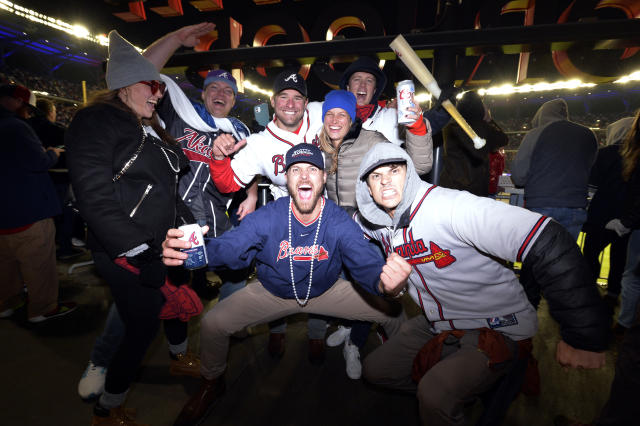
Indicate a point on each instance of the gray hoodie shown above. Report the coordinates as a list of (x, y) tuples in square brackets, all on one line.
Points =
[(452, 240), (368, 208), (554, 159)]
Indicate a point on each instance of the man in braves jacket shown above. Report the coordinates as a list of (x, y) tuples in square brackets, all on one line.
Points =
[(196, 126), (475, 313), (301, 244)]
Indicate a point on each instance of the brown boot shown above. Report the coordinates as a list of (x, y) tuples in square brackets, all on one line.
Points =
[(118, 416), (276, 345), (200, 404), (187, 364)]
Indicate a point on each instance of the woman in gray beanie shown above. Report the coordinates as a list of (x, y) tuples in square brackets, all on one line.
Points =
[(124, 169)]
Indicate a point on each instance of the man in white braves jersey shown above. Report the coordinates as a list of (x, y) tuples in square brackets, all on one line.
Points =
[(263, 152), (477, 318), (196, 126)]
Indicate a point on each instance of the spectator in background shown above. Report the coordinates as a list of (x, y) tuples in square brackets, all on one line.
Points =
[(27, 232), (52, 135), (629, 221), (553, 165), (465, 167), (606, 204)]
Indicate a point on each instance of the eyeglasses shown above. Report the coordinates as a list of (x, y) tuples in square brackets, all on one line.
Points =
[(155, 86)]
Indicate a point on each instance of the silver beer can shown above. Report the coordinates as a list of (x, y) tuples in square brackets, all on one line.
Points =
[(197, 253), (404, 90)]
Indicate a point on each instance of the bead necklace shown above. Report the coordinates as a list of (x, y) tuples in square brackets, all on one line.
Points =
[(315, 240)]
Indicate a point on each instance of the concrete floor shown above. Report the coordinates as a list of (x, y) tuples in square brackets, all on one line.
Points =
[(41, 364)]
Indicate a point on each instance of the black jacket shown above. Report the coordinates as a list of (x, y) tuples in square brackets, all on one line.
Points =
[(556, 268), (140, 206)]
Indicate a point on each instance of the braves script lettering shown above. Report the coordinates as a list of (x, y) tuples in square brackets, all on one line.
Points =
[(302, 253), (417, 253), (195, 142)]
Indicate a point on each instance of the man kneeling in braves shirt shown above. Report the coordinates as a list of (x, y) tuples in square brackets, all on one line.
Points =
[(301, 243), (476, 315)]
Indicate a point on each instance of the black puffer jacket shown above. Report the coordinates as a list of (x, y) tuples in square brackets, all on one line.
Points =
[(140, 206), (556, 267)]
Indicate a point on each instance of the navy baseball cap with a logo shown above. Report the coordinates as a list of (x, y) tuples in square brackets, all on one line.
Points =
[(221, 75), (290, 80), (304, 153)]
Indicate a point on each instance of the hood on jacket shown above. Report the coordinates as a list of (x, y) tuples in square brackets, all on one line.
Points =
[(370, 65), (554, 110), (617, 131), (378, 155), (470, 106)]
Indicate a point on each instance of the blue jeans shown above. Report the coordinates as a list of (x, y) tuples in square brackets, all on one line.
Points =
[(571, 218), (106, 344), (630, 282)]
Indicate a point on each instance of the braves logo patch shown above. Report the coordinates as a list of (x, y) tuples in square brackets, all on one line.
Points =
[(293, 77), (504, 321)]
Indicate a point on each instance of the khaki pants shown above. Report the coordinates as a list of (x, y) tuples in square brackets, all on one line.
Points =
[(255, 305), (460, 375), (29, 258)]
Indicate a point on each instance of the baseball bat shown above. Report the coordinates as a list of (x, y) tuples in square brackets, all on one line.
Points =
[(406, 54)]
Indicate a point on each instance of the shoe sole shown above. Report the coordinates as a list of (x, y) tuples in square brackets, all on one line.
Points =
[(43, 319)]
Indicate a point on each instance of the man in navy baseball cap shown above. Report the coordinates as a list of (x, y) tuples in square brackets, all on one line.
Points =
[(304, 153), (219, 92), (290, 80)]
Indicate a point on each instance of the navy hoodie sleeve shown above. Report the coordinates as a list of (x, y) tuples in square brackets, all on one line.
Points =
[(237, 248)]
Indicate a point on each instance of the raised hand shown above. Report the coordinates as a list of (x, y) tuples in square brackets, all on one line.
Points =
[(394, 275), (225, 146), (189, 36)]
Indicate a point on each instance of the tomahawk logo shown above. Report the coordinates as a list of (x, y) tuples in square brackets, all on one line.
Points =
[(292, 77), (416, 252), (193, 239), (224, 75)]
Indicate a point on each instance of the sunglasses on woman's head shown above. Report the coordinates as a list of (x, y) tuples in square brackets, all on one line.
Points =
[(155, 86)]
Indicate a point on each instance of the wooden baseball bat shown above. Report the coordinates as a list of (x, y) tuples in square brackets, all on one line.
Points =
[(406, 54)]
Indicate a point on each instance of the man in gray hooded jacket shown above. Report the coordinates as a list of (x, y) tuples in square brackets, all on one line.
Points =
[(468, 297), (553, 164)]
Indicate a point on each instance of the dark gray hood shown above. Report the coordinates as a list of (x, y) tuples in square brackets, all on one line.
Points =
[(551, 111), (373, 213), (617, 130)]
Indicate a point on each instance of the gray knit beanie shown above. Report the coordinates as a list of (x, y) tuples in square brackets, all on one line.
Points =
[(125, 65)]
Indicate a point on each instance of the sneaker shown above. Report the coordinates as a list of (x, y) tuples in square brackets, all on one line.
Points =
[(77, 242), (186, 364), (339, 336), (118, 416), (352, 358), (62, 309), (91, 384), (7, 313)]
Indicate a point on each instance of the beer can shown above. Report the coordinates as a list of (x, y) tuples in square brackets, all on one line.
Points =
[(197, 253), (404, 90)]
